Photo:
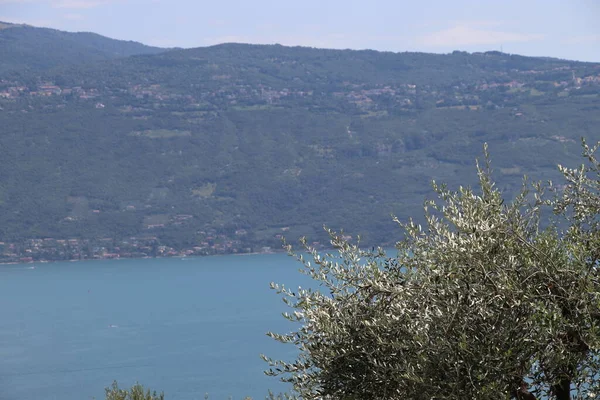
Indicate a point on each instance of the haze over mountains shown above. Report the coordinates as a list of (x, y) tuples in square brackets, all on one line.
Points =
[(116, 148)]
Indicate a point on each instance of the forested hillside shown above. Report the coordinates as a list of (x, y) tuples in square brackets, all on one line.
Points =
[(227, 148)]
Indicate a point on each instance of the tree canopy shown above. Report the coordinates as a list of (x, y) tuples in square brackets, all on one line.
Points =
[(488, 300)]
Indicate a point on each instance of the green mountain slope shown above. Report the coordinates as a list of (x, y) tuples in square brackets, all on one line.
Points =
[(27, 48), (227, 148)]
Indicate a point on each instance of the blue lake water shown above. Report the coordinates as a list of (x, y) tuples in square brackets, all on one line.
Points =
[(183, 326)]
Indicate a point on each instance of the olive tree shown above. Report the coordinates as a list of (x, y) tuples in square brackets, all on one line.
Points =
[(479, 303)]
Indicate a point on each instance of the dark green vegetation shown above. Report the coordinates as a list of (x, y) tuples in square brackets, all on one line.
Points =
[(229, 147), (26, 49), (136, 392)]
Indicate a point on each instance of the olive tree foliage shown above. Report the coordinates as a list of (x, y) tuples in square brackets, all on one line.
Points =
[(136, 392), (479, 303)]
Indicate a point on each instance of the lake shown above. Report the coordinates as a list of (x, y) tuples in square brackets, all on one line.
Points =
[(183, 326)]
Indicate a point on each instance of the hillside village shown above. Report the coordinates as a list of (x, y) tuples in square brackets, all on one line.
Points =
[(132, 99)]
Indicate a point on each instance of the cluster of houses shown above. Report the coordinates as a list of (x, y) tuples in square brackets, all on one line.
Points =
[(51, 249), (208, 242), (12, 90)]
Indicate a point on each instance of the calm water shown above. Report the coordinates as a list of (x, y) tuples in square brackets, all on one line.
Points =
[(185, 327)]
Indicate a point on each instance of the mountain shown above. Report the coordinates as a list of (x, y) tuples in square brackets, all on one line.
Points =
[(230, 147), (31, 49)]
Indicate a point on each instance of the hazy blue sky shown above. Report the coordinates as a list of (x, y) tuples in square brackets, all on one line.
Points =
[(565, 28)]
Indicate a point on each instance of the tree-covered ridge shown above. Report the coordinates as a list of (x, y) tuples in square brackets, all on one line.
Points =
[(25, 48), (227, 148)]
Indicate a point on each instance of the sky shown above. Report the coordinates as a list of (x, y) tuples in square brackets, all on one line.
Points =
[(566, 29)]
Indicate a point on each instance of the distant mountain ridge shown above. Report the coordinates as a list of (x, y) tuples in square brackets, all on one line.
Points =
[(228, 148), (28, 48)]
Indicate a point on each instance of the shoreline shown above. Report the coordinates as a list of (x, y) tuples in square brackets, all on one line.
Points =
[(43, 261), (254, 253)]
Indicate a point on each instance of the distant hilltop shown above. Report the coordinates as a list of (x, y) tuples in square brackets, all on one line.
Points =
[(37, 49)]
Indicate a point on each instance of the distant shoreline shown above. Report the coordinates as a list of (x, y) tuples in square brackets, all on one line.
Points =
[(43, 261), (254, 253)]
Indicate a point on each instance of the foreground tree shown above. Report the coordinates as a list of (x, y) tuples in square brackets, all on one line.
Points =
[(480, 304)]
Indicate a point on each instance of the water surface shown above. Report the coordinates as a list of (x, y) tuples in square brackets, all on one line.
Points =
[(184, 326)]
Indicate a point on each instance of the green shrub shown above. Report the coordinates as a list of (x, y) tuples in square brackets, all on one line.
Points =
[(137, 392)]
